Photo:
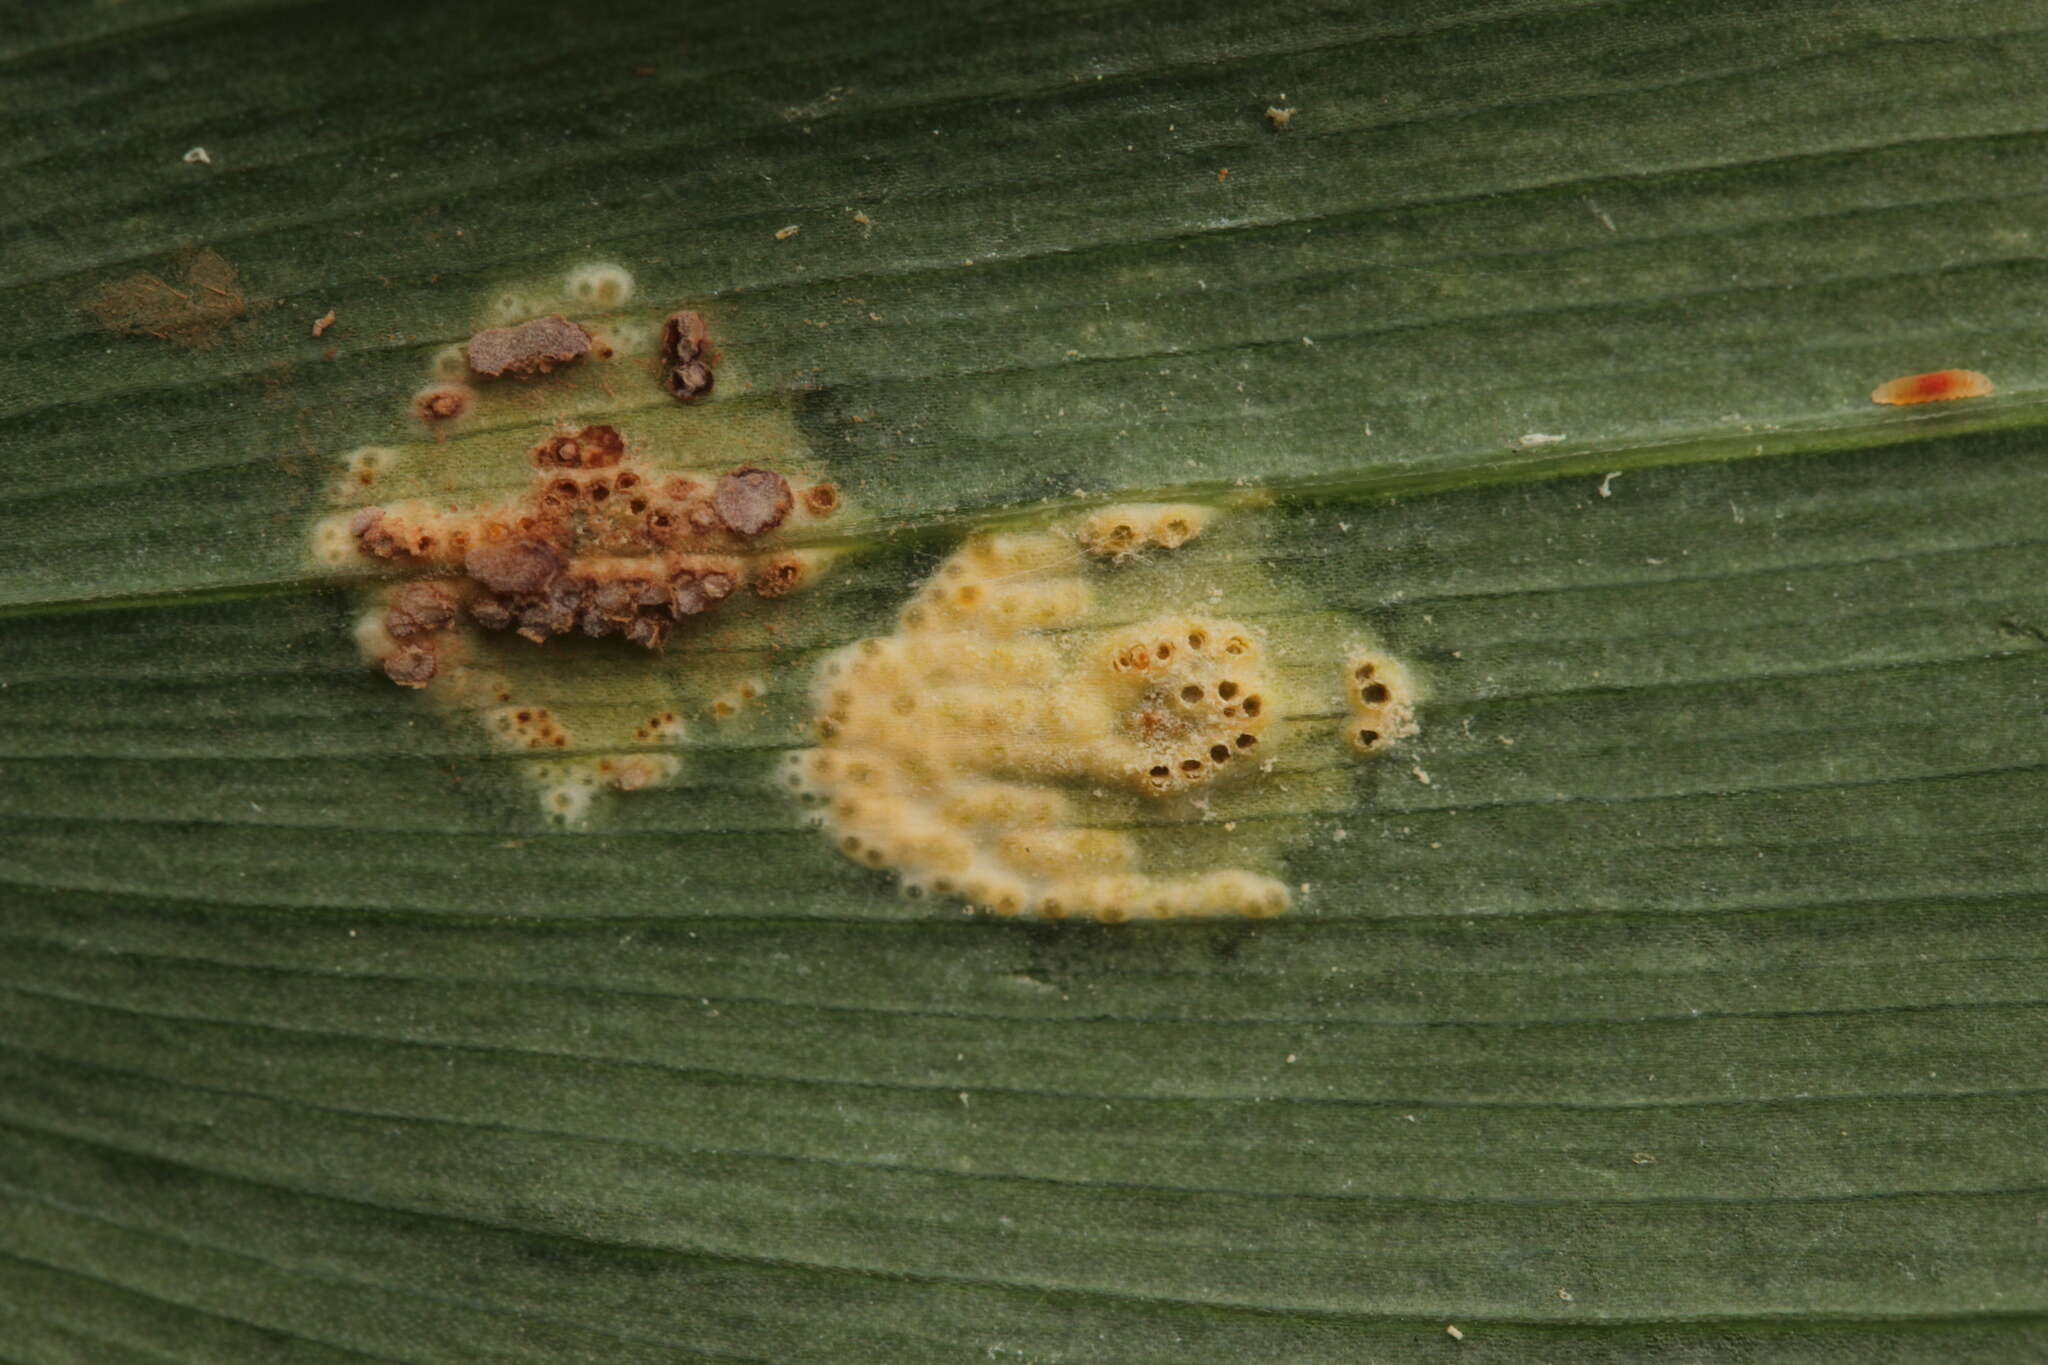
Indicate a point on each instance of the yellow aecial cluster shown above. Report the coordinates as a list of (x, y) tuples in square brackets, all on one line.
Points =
[(959, 752)]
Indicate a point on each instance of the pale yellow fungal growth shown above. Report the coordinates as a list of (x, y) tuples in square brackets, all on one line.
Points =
[(1381, 697), (1119, 532), (1008, 746)]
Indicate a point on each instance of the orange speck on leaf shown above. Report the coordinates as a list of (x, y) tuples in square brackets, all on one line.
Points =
[(1936, 386)]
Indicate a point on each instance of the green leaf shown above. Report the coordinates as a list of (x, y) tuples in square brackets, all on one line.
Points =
[(1673, 995)]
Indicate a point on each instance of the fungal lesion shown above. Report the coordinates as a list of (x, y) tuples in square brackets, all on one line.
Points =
[(1038, 736), (569, 503), (1380, 700)]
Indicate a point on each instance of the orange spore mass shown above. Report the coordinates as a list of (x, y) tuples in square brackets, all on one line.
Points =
[(1933, 387)]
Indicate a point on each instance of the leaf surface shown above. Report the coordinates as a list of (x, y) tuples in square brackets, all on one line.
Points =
[(1674, 995)]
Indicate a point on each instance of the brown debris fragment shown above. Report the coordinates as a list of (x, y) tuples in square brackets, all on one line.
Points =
[(323, 322), (534, 347), (686, 356), (193, 313), (750, 500)]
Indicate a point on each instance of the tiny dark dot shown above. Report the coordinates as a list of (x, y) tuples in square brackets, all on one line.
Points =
[(1192, 692), (1246, 741), (1368, 738), (1165, 651), (1251, 705), (1377, 692), (1226, 690), (1191, 765), (1162, 771), (1196, 639), (1219, 752), (1364, 672)]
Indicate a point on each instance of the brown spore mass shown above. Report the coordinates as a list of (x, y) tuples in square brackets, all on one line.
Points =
[(192, 312), (534, 347)]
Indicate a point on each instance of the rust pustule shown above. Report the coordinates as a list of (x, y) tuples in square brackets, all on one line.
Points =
[(443, 404), (421, 609), (750, 501), (411, 666), (592, 447), (686, 356), (514, 566)]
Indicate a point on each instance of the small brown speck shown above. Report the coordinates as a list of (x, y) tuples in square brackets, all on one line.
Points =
[(322, 323)]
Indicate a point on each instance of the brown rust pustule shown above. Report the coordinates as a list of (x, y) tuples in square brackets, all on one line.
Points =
[(534, 347), (750, 501), (821, 499), (686, 356)]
